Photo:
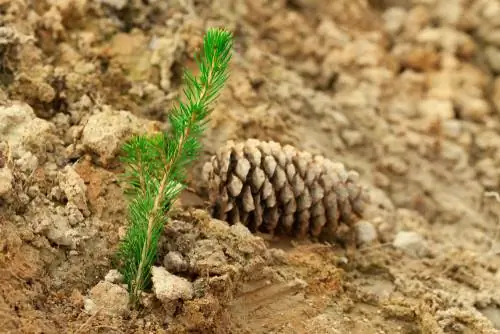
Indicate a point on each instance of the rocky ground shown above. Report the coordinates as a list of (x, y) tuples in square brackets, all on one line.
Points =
[(407, 93)]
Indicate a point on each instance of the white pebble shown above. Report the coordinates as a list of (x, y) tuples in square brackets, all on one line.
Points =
[(411, 243), (365, 232)]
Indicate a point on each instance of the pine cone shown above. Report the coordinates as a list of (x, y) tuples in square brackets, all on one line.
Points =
[(277, 189)]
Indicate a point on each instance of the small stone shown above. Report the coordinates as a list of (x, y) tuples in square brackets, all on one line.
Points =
[(114, 276), (107, 298), (365, 232), (170, 289), (411, 243), (175, 262)]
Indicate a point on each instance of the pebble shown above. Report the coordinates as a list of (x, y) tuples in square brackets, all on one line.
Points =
[(411, 243), (365, 232)]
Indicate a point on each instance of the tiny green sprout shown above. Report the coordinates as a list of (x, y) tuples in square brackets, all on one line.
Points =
[(155, 165)]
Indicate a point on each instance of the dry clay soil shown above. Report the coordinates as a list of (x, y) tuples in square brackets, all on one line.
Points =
[(406, 96)]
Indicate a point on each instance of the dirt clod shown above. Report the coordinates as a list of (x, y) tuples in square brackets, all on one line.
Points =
[(107, 298), (170, 289), (106, 131)]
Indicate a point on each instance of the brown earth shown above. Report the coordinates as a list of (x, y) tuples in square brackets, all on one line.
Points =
[(408, 96)]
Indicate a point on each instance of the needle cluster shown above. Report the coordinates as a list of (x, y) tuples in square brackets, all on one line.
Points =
[(156, 164)]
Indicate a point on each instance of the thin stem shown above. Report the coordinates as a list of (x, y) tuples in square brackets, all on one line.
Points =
[(147, 244)]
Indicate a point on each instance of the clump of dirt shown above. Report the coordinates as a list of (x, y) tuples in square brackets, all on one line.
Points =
[(406, 93)]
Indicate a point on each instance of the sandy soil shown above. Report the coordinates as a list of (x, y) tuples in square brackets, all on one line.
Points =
[(408, 96)]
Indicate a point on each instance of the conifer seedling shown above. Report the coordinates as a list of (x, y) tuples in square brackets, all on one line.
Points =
[(156, 164)]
